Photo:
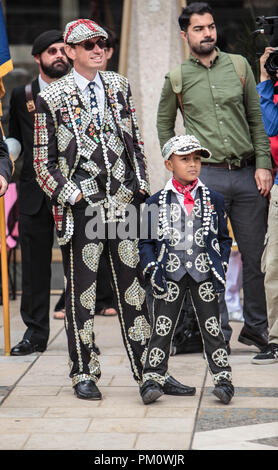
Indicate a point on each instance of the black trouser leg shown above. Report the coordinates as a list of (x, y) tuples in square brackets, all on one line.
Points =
[(81, 260), (131, 300), (205, 303), (247, 210), (105, 296), (166, 314), (36, 240)]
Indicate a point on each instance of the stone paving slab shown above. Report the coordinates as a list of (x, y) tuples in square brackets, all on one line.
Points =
[(142, 425), (28, 401), (236, 437), (161, 441), (36, 390), (43, 425), (38, 409), (94, 412), (219, 418), (22, 412), (13, 441), (80, 441)]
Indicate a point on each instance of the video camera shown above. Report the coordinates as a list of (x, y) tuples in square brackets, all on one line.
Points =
[(269, 26)]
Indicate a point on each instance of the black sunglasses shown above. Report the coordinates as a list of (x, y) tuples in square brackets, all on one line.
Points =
[(90, 45), (54, 50)]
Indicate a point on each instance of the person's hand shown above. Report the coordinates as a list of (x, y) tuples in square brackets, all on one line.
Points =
[(264, 75), (263, 180), (3, 185), (78, 198), (142, 192)]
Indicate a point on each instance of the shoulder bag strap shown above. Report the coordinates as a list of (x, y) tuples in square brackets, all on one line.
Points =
[(30, 100), (240, 66), (176, 82)]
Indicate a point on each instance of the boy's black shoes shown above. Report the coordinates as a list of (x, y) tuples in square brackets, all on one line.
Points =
[(173, 387), (249, 337), (150, 391), (224, 390), (267, 356), (87, 390)]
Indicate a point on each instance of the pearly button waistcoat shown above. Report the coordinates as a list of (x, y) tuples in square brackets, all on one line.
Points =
[(186, 246)]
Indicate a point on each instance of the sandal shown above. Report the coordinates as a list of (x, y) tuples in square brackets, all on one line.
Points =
[(60, 314), (107, 312)]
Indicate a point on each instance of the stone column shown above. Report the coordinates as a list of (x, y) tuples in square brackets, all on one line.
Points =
[(155, 47), (69, 12)]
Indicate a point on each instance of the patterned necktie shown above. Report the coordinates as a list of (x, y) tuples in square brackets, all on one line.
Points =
[(93, 104), (185, 190)]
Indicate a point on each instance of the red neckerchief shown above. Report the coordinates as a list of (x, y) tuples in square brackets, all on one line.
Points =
[(185, 190)]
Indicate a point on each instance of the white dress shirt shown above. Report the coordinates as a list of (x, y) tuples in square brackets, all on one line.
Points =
[(83, 83), (42, 83), (180, 196)]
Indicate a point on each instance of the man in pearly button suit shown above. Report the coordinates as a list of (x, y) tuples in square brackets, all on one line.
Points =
[(88, 154), (186, 245), (89, 159)]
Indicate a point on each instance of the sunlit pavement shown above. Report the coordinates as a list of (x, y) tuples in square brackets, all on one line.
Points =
[(38, 409)]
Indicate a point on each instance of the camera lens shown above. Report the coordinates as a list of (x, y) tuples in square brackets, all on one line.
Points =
[(274, 61), (271, 64)]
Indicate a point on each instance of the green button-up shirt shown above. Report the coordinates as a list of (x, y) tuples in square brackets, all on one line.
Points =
[(219, 110)]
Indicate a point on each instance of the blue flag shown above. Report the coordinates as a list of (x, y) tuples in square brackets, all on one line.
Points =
[(6, 64)]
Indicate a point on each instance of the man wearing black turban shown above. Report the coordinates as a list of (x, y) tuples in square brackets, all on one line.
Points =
[(35, 219)]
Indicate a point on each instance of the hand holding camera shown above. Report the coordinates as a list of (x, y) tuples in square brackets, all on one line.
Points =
[(265, 60), (269, 64), (269, 59)]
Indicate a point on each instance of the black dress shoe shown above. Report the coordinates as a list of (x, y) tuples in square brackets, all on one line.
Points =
[(224, 391), (173, 387), (25, 347), (87, 390), (150, 391), (249, 337)]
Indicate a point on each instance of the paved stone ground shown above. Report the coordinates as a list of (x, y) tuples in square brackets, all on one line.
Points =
[(39, 411)]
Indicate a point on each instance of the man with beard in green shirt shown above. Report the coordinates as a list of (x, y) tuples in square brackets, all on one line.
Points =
[(217, 95)]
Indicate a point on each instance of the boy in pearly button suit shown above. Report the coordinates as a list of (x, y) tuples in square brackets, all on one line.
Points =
[(186, 246)]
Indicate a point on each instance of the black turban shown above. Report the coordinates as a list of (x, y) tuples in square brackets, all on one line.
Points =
[(44, 40)]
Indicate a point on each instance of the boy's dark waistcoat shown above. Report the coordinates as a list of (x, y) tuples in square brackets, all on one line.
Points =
[(154, 248)]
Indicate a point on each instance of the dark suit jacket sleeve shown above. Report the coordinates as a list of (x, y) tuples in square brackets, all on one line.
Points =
[(14, 125), (49, 175), (6, 166), (147, 245), (224, 238)]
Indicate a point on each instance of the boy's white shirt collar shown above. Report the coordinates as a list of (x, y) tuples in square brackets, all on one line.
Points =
[(170, 187)]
